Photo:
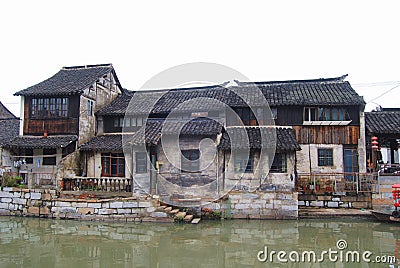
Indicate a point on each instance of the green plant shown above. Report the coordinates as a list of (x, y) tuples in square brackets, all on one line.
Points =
[(217, 214), (179, 219), (11, 181)]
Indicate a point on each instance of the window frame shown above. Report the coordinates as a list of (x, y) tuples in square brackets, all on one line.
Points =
[(141, 162), (44, 108), (239, 164), (112, 165), (279, 165), (325, 157)]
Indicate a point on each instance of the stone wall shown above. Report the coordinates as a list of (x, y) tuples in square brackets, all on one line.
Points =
[(45, 203), (336, 201), (269, 205)]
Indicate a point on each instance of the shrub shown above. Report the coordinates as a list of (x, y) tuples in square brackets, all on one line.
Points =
[(11, 181)]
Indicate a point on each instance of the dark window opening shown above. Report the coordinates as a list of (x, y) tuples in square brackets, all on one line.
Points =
[(279, 163), (113, 165), (325, 157), (28, 155), (49, 160), (190, 161), (244, 162), (141, 162)]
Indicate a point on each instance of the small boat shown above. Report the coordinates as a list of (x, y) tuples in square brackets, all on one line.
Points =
[(382, 215)]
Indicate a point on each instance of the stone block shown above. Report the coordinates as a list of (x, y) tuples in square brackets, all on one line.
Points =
[(289, 208), (116, 204), (33, 210), (130, 205), (27, 195), (44, 211), (242, 206), (62, 204), (6, 200), (46, 197), (360, 204), (124, 210), (17, 194), (158, 215), (94, 205), (36, 196), (5, 194), (151, 209), (333, 204), (79, 204), (105, 205), (8, 189), (66, 210), (107, 211), (144, 204), (250, 196), (4, 205), (302, 203), (255, 206), (20, 201), (86, 211), (4, 211)]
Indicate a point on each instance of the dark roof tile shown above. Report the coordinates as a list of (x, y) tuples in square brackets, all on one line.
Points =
[(386, 122), (68, 81), (39, 142), (259, 137)]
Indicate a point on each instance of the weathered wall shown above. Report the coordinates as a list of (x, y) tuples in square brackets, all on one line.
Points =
[(94, 166), (270, 204), (336, 201), (309, 153), (45, 203)]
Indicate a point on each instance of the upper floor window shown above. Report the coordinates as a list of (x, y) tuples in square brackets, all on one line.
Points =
[(49, 107), (129, 121), (325, 114), (90, 107)]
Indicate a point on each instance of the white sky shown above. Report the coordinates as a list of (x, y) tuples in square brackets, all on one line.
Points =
[(275, 40)]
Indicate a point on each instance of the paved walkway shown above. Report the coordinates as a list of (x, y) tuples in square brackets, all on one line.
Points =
[(315, 213)]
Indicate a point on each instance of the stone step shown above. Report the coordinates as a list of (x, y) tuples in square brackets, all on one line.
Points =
[(174, 211), (180, 215), (168, 209), (196, 221), (188, 218), (163, 207)]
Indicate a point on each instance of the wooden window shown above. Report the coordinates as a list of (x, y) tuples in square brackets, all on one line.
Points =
[(49, 107), (244, 162), (141, 162), (279, 163), (190, 161), (325, 157), (113, 165), (49, 160), (325, 114), (310, 114)]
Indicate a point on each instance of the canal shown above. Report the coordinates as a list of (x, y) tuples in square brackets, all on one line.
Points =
[(33, 242)]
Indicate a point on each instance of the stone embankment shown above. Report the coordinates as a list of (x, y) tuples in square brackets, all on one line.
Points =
[(46, 203)]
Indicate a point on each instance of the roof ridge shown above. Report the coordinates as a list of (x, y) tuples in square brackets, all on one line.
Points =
[(87, 66), (302, 81)]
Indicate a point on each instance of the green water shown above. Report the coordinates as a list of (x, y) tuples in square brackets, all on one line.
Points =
[(32, 242)]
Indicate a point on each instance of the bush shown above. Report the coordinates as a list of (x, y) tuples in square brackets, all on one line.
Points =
[(11, 181)]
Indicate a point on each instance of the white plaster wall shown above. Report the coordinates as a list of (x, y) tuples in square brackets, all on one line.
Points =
[(309, 154)]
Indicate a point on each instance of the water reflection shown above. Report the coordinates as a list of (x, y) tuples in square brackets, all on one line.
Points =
[(54, 243)]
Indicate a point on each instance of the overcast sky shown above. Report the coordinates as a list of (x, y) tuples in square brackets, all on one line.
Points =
[(265, 41)]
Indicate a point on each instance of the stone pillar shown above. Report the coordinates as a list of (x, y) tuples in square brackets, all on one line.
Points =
[(362, 155)]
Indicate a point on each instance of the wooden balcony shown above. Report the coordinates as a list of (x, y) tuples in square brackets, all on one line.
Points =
[(51, 126)]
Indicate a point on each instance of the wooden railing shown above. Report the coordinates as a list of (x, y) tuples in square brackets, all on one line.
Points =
[(105, 184), (329, 183)]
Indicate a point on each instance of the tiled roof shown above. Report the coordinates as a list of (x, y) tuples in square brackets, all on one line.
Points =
[(328, 91), (155, 128), (68, 81), (259, 137), (39, 142), (9, 129), (104, 143), (383, 122), (5, 113), (117, 106), (9, 125)]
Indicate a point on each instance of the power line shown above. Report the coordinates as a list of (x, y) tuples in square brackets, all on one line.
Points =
[(376, 84), (384, 93)]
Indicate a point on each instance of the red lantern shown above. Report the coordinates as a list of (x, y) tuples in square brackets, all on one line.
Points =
[(396, 204), (375, 143)]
